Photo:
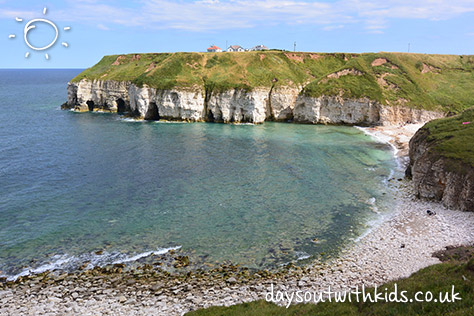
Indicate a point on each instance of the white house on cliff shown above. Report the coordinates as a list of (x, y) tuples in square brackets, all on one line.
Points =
[(259, 47), (214, 49), (235, 48)]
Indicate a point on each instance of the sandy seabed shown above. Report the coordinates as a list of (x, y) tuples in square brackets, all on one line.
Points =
[(398, 246)]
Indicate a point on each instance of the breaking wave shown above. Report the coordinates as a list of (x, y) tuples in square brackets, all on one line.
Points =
[(68, 263)]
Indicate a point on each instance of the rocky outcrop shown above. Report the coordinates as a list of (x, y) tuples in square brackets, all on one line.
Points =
[(439, 178), (98, 95), (236, 105)]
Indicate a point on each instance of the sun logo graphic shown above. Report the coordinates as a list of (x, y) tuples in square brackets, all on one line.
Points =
[(30, 25)]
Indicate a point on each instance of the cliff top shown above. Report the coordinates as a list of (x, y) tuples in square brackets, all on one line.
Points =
[(441, 82), (452, 137)]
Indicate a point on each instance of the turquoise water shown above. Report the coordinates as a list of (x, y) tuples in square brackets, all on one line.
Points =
[(72, 184)]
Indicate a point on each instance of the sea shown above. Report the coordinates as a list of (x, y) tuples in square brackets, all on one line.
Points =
[(92, 189)]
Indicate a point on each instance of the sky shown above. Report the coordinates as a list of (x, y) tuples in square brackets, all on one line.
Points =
[(105, 27)]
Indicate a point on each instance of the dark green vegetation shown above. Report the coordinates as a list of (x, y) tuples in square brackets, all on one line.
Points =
[(450, 138), (436, 279), (442, 82)]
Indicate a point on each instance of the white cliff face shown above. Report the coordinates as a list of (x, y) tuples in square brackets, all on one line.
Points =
[(238, 106), (185, 105), (140, 99), (256, 106), (391, 115), (336, 110), (97, 95), (282, 103), (149, 103)]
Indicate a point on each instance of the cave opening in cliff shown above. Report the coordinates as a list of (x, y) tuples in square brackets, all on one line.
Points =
[(90, 105), (152, 113), (121, 106), (210, 116)]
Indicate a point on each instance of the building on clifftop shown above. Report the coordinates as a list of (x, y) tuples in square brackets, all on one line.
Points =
[(235, 48), (259, 47), (214, 49)]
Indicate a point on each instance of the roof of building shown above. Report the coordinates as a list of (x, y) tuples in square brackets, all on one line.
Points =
[(214, 47)]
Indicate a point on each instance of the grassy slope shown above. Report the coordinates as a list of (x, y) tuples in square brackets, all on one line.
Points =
[(437, 278), (448, 87), (450, 138)]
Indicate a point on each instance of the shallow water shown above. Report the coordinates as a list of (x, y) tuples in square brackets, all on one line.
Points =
[(72, 184)]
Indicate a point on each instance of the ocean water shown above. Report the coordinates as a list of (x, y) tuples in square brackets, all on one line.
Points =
[(72, 184)]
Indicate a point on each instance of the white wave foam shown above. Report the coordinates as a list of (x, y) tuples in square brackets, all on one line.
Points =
[(244, 124), (43, 268), (384, 139), (136, 120), (130, 119), (69, 263), (171, 122), (371, 201), (160, 251), (301, 255)]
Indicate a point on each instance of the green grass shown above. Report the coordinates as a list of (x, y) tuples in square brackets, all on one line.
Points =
[(448, 87), (437, 278), (450, 138)]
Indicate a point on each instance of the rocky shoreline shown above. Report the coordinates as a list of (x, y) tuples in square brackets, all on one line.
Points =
[(395, 248)]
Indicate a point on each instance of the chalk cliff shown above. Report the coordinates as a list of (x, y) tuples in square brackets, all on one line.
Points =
[(442, 161), (235, 105), (329, 88)]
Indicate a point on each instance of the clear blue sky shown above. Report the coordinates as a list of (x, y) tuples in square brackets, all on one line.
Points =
[(102, 27)]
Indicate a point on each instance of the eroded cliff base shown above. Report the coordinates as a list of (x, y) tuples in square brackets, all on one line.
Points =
[(236, 105)]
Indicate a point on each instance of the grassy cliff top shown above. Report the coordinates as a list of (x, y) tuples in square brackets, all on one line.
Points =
[(453, 139), (442, 82)]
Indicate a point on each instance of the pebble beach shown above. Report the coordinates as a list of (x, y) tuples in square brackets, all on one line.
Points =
[(399, 245)]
